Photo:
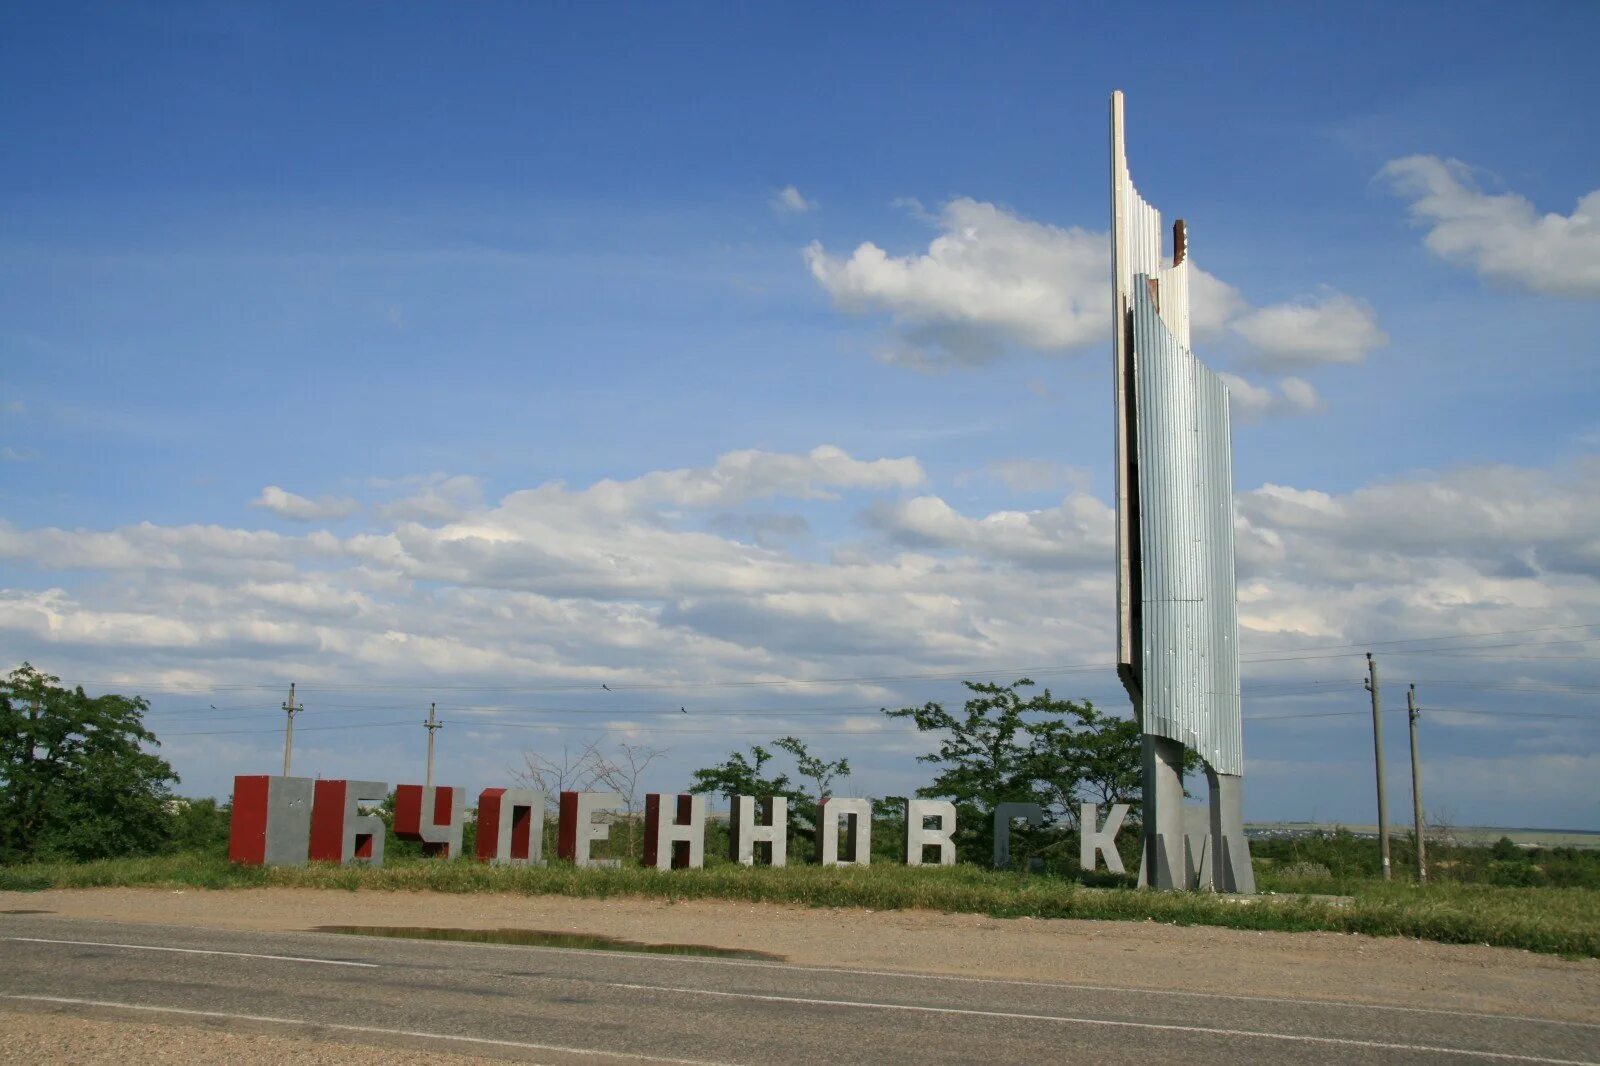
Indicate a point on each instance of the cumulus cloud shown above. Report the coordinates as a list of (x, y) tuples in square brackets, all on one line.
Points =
[(1333, 328), (788, 200), (435, 498), (741, 476), (1077, 533), (1250, 402), (1033, 475), (301, 509), (992, 280), (693, 576), (1503, 520), (1026, 282), (1502, 237)]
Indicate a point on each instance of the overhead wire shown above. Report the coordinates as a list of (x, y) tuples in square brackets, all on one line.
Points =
[(1300, 654)]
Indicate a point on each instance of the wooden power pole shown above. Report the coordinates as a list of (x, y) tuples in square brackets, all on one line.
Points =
[(432, 725), (1416, 788), (289, 710), (1377, 750)]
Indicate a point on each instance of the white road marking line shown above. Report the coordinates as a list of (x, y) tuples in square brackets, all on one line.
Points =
[(373, 1029), (192, 951), (1110, 1023), (627, 956)]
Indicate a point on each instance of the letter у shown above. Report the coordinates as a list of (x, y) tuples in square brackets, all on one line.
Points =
[(339, 831), (745, 833), (433, 816), (511, 826), (578, 828), (271, 824), (857, 814), (674, 842), (918, 838)]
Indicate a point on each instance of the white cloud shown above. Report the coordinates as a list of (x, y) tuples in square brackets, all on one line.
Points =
[(989, 275), (1250, 402), (667, 578), (1075, 534), (1034, 475), (436, 498), (1506, 520), (741, 476), (1333, 328), (991, 280), (788, 200), (300, 509), (1501, 236)]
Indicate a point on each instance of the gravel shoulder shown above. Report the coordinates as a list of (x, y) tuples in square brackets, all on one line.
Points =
[(58, 1037), (1328, 966)]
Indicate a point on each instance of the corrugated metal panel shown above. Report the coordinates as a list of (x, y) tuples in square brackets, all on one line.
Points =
[(1215, 450), (1121, 361), (1174, 302), (1135, 249), (1188, 616)]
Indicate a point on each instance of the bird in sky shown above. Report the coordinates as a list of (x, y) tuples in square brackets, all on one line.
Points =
[(605, 686), (685, 710)]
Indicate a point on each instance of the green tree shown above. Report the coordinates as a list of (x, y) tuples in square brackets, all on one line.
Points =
[(200, 825), (1003, 747), (1090, 756), (75, 778), (820, 771), (739, 776)]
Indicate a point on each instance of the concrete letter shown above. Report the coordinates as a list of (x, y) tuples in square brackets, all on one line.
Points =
[(511, 827), (745, 834), (1162, 845), (339, 831), (1004, 815), (578, 827), (918, 837), (1230, 851), (271, 823), (1094, 842), (440, 831), (858, 831), (1196, 850), (675, 842)]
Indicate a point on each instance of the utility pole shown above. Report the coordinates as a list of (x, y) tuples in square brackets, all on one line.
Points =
[(290, 710), (432, 725), (1377, 750), (1416, 788)]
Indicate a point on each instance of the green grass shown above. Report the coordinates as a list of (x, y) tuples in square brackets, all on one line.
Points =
[(1561, 921)]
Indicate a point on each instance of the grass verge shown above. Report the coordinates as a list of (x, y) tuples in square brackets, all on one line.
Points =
[(1559, 921)]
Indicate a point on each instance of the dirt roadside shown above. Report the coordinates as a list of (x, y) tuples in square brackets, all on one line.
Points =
[(1123, 954)]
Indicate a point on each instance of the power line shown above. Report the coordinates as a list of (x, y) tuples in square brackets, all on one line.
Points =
[(990, 672), (1440, 710)]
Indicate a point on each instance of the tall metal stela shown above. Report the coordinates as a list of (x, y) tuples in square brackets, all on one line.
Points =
[(1177, 619)]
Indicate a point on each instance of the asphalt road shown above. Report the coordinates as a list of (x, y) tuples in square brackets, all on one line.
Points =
[(551, 1005)]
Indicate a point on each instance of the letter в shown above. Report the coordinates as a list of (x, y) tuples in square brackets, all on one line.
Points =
[(918, 837)]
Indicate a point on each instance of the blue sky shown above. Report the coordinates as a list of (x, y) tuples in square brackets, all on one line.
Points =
[(301, 306)]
